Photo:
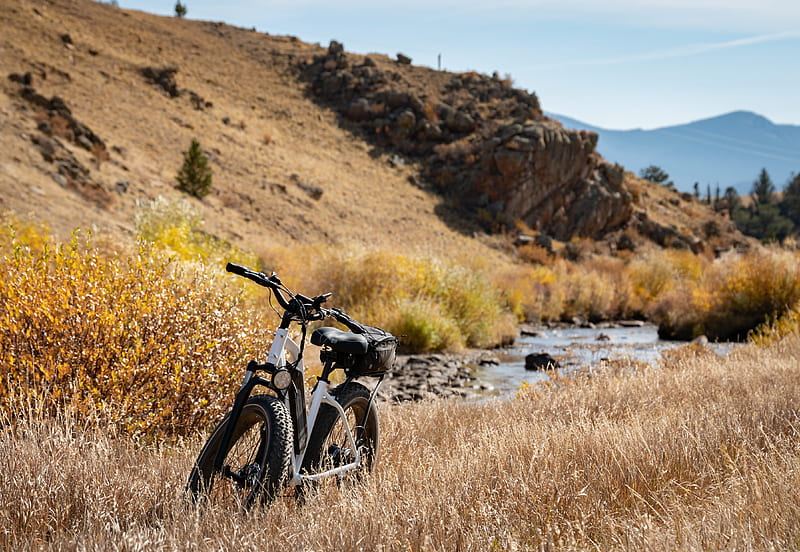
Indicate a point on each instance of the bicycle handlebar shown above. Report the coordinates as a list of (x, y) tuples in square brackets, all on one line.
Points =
[(272, 282), (298, 304)]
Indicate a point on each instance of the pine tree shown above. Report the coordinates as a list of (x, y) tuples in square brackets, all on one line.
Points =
[(180, 9), (195, 175), (790, 203), (763, 189)]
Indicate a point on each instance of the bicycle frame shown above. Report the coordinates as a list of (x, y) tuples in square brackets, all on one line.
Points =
[(295, 401)]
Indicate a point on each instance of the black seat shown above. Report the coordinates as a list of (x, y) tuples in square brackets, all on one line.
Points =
[(343, 342)]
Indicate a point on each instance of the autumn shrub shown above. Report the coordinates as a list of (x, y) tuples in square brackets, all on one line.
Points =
[(597, 289), (176, 226), (779, 328), (657, 272), (746, 291), (424, 327), (732, 296), (149, 345), (533, 253), (532, 293), (443, 305)]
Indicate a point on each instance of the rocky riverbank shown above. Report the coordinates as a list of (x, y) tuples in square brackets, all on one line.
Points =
[(419, 377)]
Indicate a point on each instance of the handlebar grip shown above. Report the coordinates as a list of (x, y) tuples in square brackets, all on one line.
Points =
[(236, 269)]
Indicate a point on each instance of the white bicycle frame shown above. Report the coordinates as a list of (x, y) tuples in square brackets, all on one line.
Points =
[(281, 345)]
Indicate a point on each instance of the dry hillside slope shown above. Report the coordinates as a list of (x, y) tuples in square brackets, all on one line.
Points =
[(97, 105)]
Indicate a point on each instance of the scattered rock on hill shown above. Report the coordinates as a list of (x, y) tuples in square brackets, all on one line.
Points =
[(70, 172), (57, 119), (55, 122), (164, 78)]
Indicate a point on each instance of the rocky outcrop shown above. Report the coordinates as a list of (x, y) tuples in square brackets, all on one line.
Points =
[(56, 119), (483, 143), (541, 174)]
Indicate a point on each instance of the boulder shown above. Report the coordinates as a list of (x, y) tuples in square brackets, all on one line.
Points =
[(540, 361), (335, 48), (358, 110)]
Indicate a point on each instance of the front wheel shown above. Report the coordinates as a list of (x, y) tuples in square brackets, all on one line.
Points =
[(329, 447), (257, 461)]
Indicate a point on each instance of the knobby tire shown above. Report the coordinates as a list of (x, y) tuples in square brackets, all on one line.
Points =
[(259, 455)]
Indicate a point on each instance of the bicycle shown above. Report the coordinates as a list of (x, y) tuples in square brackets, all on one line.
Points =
[(270, 442)]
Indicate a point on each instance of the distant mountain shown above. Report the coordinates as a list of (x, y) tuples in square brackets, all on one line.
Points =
[(728, 150)]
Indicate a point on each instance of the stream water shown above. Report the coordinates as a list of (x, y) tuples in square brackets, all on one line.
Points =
[(574, 348)]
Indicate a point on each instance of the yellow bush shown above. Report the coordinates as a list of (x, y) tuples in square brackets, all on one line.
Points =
[(780, 328), (533, 293), (454, 305), (174, 225), (597, 289), (732, 296), (424, 327), (150, 346), (659, 272)]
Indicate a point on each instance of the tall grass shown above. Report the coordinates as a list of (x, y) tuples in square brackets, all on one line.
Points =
[(702, 453), (116, 363)]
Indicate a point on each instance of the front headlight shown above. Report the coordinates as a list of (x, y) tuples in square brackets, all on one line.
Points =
[(281, 379)]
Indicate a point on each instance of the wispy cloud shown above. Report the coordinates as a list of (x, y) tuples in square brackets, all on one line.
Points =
[(670, 53)]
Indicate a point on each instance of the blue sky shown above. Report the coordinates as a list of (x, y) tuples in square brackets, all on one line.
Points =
[(616, 64)]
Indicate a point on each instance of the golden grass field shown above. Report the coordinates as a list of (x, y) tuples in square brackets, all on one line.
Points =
[(701, 453)]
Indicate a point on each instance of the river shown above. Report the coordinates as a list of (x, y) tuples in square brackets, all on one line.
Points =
[(574, 347)]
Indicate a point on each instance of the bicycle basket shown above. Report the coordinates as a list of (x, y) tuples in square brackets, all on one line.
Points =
[(380, 355)]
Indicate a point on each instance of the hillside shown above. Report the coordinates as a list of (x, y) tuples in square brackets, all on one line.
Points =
[(97, 105), (728, 150)]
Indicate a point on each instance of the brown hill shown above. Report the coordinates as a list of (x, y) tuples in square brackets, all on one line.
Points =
[(307, 143)]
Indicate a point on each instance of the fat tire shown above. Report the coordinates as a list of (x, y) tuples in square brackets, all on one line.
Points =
[(267, 459), (354, 398)]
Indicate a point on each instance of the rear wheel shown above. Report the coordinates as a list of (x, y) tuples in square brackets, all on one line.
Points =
[(257, 461), (329, 447)]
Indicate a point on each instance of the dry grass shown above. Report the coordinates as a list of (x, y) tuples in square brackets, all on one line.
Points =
[(700, 454)]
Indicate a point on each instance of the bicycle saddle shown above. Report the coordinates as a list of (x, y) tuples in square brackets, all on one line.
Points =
[(343, 342)]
